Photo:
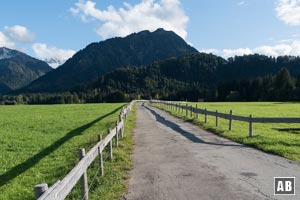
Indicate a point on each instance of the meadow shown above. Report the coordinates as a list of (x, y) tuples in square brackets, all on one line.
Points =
[(266, 137), (39, 144)]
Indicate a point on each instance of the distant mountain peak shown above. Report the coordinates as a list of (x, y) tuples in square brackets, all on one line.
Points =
[(161, 30), (18, 69), (54, 62), (6, 53)]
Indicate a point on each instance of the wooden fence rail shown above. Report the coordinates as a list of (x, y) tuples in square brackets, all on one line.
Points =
[(62, 188), (181, 107)]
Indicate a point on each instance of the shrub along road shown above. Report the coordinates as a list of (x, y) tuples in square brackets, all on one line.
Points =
[(174, 159)]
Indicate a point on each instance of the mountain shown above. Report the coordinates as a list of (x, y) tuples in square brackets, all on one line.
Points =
[(54, 62), (4, 88), (180, 77), (191, 77), (137, 49), (18, 69)]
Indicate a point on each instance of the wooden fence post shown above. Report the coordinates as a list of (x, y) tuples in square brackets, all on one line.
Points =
[(122, 129), (40, 189), (217, 119), (120, 120), (100, 157), (110, 147), (182, 111), (196, 111), (250, 126), (191, 114), (117, 135), (230, 120), (205, 113), (83, 179), (186, 109)]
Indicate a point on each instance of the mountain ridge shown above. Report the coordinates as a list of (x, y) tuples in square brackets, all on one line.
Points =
[(18, 69), (136, 49)]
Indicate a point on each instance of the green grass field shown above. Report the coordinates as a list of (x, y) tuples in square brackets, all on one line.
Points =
[(283, 143), (40, 144)]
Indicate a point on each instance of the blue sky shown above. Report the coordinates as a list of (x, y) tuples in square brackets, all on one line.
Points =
[(59, 28)]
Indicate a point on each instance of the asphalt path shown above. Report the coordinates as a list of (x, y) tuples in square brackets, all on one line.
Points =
[(174, 159)]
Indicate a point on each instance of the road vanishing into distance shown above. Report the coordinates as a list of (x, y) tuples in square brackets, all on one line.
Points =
[(174, 160)]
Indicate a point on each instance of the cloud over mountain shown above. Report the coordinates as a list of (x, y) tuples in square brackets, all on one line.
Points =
[(146, 15), (19, 33), (15, 34), (288, 48), (47, 53)]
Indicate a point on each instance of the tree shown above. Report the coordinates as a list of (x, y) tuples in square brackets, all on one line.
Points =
[(283, 85)]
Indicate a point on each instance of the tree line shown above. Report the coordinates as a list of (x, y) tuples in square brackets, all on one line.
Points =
[(279, 87), (194, 77)]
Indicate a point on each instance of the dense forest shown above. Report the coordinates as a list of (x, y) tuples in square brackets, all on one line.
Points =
[(192, 77)]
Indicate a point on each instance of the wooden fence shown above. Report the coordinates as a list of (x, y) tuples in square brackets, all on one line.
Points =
[(62, 188), (195, 111)]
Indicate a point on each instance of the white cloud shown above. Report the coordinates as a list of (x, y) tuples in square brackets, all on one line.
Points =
[(43, 52), (213, 51), (241, 3), (291, 48), (10, 36), (5, 41), (226, 53), (289, 11), (19, 33), (239, 52), (146, 15)]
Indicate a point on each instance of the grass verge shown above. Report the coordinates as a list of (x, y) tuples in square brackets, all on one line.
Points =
[(114, 185), (283, 143)]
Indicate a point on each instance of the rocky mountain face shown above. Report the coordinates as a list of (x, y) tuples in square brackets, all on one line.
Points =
[(18, 69)]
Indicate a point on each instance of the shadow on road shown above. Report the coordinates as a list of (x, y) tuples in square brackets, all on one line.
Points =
[(192, 137), (22, 167)]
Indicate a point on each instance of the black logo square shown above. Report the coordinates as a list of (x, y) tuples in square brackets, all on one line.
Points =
[(284, 185)]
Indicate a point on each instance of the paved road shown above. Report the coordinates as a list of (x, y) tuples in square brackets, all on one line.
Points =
[(176, 160)]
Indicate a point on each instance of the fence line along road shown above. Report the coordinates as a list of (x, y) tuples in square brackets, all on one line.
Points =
[(195, 111), (62, 188)]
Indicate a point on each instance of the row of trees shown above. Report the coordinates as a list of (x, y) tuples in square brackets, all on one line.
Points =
[(63, 98), (281, 87)]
